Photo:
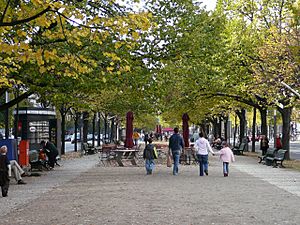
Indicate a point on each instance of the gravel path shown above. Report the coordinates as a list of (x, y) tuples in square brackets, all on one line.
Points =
[(80, 192)]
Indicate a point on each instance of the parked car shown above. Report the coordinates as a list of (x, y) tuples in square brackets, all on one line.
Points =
[(90, 137), (68, 137), (73, 138)]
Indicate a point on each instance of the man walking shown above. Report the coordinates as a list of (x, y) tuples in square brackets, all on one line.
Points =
[(176, 144), (202, 146)]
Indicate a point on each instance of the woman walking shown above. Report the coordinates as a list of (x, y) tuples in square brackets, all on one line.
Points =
[(203, 147)]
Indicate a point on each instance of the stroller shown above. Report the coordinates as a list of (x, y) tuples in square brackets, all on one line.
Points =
[(38, 160)]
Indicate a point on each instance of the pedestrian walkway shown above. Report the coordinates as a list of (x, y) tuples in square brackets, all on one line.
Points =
[(80, 192)]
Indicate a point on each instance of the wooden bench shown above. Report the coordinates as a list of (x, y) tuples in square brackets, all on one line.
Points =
[(270, 153), (279, 157), (240, 150), (88, 149), (187, 156), (122, 155)]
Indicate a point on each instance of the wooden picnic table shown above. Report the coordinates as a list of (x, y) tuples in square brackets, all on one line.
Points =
[(122, 155)]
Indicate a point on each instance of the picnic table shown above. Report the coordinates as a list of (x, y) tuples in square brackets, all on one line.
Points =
[(122, 155)]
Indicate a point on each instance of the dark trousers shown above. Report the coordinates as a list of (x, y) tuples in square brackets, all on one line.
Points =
[(203, 163), (4, 183), (52, 159), (264, 150)]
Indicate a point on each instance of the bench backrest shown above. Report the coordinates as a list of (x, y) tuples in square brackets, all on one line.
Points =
[(271, 152), (84, 146), (242, 146), (281, 154)]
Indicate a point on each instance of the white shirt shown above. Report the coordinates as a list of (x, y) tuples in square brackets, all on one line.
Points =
[(202, 146)]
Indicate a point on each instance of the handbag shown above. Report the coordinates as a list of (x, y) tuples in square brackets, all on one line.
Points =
[(169, 160)]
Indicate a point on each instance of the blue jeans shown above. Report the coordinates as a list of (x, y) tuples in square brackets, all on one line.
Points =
[(149, 164), (203, 163), (176, 155), (225, 167)]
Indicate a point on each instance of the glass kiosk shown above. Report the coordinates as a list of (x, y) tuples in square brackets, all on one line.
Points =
[(35, 125)]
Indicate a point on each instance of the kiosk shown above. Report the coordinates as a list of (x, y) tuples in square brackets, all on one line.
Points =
[(36, 124)]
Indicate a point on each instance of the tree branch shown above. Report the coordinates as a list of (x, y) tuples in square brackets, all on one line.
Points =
[(15, 101), (3, 15), (17, 22)]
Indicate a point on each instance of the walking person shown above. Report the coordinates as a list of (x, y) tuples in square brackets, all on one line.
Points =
[(264, 144), (226, 156), (176, 144), (203, 147), (136, 137), (51, 152), (5, 171), (149, 156), (146, 138)]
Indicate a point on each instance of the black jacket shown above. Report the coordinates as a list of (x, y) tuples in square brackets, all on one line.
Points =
[(149, 152)]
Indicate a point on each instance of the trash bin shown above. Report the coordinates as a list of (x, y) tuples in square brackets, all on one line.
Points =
[(12, 150), (24, 153)]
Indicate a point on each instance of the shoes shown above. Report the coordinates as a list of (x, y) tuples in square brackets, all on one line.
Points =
[(206, 172), (21, 182), (4, 195), (225, 174), (24, 175)]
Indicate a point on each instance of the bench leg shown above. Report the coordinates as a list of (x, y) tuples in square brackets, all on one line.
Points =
[(119, 159)]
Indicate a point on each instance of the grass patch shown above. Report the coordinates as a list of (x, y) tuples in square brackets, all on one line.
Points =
[(291, 164)]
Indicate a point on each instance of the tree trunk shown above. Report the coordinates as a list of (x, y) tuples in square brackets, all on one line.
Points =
[(105, 129), (225, 128), (235, 129), (253, 129), (99, 128), (112, 130), (264, 126), (286, 122), (85, 126), (76, 118), (63, 131), (94, 129), (242, 116)]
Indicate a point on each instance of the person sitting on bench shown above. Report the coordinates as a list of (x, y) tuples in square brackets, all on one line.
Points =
[(17, 171)]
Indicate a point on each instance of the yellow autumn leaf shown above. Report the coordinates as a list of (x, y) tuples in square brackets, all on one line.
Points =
[(135, 35), (127, 68), (118, 45)]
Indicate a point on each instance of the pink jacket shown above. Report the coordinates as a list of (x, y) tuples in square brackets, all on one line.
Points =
[(226, 155)]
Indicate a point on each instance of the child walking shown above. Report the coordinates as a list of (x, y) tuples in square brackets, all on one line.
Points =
[(226, 156), (149, 156), (5, 171)]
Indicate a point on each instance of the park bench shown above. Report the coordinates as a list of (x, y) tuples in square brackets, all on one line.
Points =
[(270, 153), (88, 149), (187, 156), (240, 150), (279, 157)]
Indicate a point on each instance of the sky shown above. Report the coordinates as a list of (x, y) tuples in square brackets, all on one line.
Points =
[(210, 4)]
